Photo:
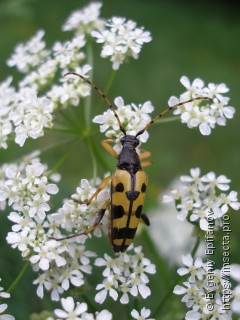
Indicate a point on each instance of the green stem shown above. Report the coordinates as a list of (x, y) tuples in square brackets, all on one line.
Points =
[(19, 277), (69, 119), (177, 280), (107, 88), (147, 239), (110, 81), (89, 302), (62, 130), (166, 297), (166, 120), (88, 100), (93, 156), (197, 243), (64, 157)]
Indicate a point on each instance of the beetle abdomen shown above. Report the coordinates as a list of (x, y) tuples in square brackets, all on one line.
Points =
[(128, 193)]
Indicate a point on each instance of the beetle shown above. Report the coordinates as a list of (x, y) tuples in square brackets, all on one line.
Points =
[(128, 183)]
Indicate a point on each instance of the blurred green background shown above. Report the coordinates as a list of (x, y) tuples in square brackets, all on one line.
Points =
[(196, 39)]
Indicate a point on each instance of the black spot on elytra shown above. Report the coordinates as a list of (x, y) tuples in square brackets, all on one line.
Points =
[(132, 195), (119, 187), (123, 233), (117, 212), (144, 187), (139, 211)]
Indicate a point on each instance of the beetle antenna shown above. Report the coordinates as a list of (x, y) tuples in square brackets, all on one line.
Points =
[(102, 94), (167, 110)]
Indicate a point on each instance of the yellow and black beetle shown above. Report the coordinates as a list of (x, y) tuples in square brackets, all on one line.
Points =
[(128, 183)]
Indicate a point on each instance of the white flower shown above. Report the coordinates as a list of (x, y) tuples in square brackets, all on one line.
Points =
[(71, 90), (194, 88), (112, 265), (138, 286), (221, 182), (4, 306), (121, 39), (198, 196), (72, 276), (133, 117), (22, 240), (7, 99), (203, 113), (30, 54), (31, 117), (85, 20), (216, 90), (107, 120), (229, 200), (106, 287), (41, 76), (44, 282), (126, 274), (43, 256), (194, 177), (69, 54), (28, 192), (197, 294), (7, 93), (125, 289), (190, 291), (70, 311), (143, 315), (193, 268)]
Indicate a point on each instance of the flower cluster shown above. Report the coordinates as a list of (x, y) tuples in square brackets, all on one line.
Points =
[(3, 306), (133, 117), (26, 188), (75, 216), (29, 55), (22, 113), (197, 198), (205, 114), (70, 311), (125, 274), (121, 39), (85, 20), (205, 290), (25, 115)]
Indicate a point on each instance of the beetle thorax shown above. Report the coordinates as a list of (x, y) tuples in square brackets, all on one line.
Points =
[(130, 141), (128, 157)]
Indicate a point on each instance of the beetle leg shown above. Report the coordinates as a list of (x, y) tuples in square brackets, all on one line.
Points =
[(106, 146), (91, 228), (146, 163), (100, 188), (145, 219), (144, 154), (98, 218)]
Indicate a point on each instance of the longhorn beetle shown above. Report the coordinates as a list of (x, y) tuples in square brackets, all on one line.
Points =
[(128, 182)]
